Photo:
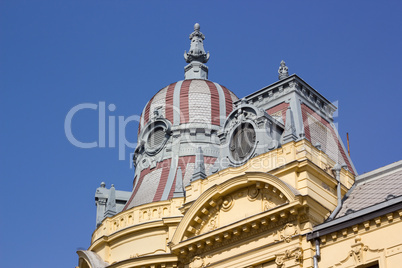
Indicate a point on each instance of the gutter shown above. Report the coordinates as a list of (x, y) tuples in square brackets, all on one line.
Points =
[(357, 217), (317, 256), (337, 172)]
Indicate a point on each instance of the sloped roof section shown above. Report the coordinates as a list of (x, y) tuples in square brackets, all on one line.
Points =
[(374, 194), (373, 188)]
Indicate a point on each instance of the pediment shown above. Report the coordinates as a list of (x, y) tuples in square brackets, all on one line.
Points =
[(233, 205), (237, 205)]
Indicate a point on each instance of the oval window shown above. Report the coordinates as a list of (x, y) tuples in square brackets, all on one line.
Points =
[(242, 142), (156, 138)]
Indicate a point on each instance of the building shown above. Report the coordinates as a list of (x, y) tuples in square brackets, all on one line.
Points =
[(261, 181)]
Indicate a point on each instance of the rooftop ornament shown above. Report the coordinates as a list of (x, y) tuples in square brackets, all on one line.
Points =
[(196, 56), (283, 71), (197, 52)]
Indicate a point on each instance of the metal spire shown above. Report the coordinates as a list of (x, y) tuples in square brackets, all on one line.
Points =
[(196, 56), (283, 71)]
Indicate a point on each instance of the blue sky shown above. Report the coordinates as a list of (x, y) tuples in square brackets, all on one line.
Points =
[(55, 55)]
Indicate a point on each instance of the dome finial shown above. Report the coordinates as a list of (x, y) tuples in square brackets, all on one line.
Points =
[(197, 52), (196, 56), (283, 71)]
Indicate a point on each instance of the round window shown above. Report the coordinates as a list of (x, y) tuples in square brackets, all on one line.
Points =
[(242, 142), (156, 138)]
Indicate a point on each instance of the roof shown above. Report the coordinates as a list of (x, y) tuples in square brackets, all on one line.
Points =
[(373, 188), (374, 194)]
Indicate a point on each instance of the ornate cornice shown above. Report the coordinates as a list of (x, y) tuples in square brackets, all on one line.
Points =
[(359, 228), (281, 226), (290, 84)]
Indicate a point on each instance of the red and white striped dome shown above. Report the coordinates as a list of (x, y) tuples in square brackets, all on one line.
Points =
[(195, 104), (190, 101)]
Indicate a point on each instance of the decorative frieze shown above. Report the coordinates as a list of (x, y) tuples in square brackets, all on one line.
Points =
[(135, 216), (366, 226), (283, 230)]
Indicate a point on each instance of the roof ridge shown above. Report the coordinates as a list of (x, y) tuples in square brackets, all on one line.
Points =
[(379, 172)]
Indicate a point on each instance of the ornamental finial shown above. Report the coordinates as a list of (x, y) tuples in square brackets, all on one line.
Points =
[(197, 52), (283, 71), (196, 56)]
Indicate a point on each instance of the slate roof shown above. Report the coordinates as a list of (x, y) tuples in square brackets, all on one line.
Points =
[(374, 194), (373, 188)]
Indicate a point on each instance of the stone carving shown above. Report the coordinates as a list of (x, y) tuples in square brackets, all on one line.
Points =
[(359, 254), (286, 232), (267, 203), (295, 253), (197, 52), (157, 113), (241, 116), (227, 203), (198, 262), (213, 222), (253, 193), (283, 71)]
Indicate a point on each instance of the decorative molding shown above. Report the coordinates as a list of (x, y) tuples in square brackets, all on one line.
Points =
[(149, 253), (229, 238), (253, 193), (358, 255), (207, 201), (207, 219), (286, 232), (360, 228), (198, 262), (257, 131), (296, 254), (227, 203)]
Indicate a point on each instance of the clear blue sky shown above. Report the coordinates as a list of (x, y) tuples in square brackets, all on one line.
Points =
[(55, 55)]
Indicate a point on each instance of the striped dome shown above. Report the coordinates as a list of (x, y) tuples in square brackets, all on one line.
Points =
[(191, 101), (195, 109)]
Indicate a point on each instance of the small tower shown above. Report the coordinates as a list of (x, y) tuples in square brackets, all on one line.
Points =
[(283, 71), (196, 56)]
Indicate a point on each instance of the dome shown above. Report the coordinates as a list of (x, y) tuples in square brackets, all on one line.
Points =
[(192, 101), (181, 119), (178, 131)]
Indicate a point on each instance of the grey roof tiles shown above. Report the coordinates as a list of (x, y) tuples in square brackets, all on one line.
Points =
[(373, 188)]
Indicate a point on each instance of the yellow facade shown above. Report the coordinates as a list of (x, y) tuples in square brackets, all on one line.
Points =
[(376, 241), (256, 215)]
